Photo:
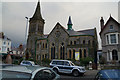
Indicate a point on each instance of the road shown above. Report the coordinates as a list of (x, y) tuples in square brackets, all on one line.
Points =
[(89, 75)]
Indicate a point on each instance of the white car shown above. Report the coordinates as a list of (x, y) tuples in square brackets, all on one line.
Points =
[(66, 66), (28, 73), (27, 63)]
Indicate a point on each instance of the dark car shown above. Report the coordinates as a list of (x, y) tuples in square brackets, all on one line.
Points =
[(113, 74)]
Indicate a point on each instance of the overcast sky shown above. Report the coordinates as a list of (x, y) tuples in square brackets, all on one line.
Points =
[(85, 15)]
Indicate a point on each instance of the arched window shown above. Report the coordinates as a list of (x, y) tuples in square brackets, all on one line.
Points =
[(43, 56), (62, 52), (70, 54), (53, 53), (74, 42), (43, 45), (114, 55), (46, 45), (80, 53), (52, 44), (62, 43), (84, 53), (70, 42), (73, 54), (83, 41), (89, 42)]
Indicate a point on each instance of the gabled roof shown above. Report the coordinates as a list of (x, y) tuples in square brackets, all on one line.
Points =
[(110, 19), (58, 24), (90, 32)]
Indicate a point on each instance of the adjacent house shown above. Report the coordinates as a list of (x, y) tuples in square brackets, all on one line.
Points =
[(110, 36), (5, 43)]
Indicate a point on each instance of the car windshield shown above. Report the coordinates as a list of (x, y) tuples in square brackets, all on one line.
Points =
[(15, 75), (72, 64), (33, 63)]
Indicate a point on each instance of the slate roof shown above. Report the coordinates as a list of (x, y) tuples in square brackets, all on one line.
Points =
[(72, 32), (88, 31), (82, 32)]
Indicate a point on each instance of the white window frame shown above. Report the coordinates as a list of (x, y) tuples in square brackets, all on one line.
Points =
[(109, 43)]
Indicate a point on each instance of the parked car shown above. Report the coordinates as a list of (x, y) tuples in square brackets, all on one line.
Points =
[(66, 66), (108, 75), (27, 63), (3, 65), (28, 73)]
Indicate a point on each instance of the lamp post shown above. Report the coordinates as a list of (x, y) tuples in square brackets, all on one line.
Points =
[(25, 51), (26, 29)]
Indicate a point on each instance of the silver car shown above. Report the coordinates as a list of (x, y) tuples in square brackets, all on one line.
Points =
[(27, 73), (27, 63)]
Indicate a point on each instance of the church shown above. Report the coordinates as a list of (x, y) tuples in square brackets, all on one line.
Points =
[(60, 43)]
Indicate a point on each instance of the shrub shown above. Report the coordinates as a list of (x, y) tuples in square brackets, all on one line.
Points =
[(85, 61), (46, 61)]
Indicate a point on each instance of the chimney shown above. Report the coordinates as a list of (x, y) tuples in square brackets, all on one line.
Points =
[(101, 23)]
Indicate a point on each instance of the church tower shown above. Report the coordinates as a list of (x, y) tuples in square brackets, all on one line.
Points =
[(36, 30)]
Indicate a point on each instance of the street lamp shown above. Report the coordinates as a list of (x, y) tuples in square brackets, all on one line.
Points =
[(26, 29)]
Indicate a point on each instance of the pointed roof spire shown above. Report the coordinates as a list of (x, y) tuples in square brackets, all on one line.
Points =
[(37, 14), (69, 23)]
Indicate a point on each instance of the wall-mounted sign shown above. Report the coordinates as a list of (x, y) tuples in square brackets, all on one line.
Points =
[(76, 55)]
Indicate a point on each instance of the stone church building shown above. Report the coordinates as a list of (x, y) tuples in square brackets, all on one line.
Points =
[(60, 43)]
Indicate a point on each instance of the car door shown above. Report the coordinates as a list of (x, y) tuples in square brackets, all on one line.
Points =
[(60, 65), (67, 67)]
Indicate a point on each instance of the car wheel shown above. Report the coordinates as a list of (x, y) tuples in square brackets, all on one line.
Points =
[(55, 70), (75, 73)]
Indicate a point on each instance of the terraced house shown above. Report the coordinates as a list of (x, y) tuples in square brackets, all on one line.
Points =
[(60, 43)]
